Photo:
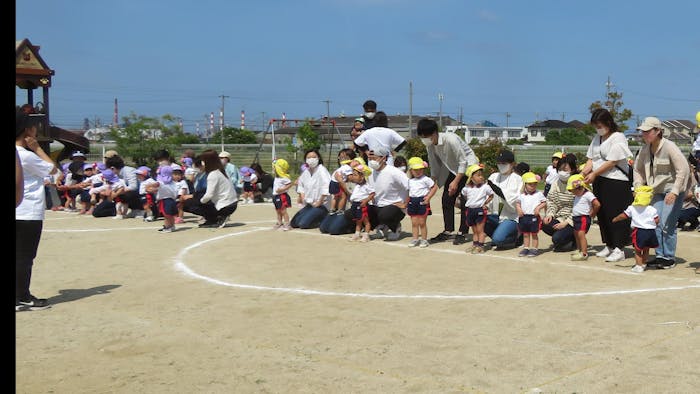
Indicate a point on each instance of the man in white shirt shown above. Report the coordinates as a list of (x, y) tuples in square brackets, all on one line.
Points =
[(448, 156), (380, 136), (391, 191)]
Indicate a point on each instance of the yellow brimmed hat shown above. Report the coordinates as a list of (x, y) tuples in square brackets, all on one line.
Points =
[(416, 163), (575, 181), (530, 177), (363, 169), (642, 195), (472, 169), (558, 155), (281, 167)]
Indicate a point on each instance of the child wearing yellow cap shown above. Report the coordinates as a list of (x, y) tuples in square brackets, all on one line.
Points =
[(586, 206), (477, 195), (645, 218), (550, 174), (361, 195), (280, 196), (420, 190), (337, 187), (529, 204)]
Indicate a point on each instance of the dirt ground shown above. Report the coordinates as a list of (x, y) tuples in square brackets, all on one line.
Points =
[(246, 309)]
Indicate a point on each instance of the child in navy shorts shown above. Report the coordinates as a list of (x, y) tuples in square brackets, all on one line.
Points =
[(336, 186), (529, 204), (280, 196), (361, 195), (420, 190), (477, 194), (644, 221), (166, 196), (586, 205)]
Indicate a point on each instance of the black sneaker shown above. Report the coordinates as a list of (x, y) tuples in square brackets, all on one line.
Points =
[(221, 222), (459, 239), (32, 304), (665, 263), (208, 225), (443, 236)]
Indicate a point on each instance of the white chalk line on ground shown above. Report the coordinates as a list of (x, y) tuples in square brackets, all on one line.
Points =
[(181, 266)]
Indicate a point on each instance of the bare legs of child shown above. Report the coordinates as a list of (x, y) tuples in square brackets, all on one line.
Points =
[(640, 258), (531, 244), (479, 238), (419, 229), (359, 235), (582, 253), (282, 220)]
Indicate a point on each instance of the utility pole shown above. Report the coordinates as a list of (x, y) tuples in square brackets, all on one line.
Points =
[(507, 119), (262, 128), (410, 110), (328, 118), (441, 98), (461, 115), (608, 85), (221, 123)]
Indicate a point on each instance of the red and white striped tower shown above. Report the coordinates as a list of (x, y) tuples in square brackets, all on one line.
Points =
[(221, 120), (284, 119), (242, 119), (115, 121), (196, 128), (211, 123)]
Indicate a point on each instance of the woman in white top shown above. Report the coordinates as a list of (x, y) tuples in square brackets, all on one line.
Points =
[(606, 169), (313, 190), (29, 214), (502, 227), (220, 199)]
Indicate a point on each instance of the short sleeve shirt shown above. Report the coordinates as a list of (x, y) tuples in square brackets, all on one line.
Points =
[(582, 204), (642, 216), (528, 202), (419, 187), (476, 196), (615, 149)]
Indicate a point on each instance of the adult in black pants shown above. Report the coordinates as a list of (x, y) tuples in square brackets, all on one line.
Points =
[(448, 156), (29, 213), (391, 192), (129, 195), (607, 170), (220, 199)]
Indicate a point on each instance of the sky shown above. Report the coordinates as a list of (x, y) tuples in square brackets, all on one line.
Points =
[(509, 62)]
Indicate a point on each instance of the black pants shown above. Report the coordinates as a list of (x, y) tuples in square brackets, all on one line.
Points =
[(27, 236), (390, 216), (448, 206), (560, 237), (614, 197), (212, 215)]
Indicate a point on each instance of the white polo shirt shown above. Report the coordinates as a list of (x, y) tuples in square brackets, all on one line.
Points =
[(360, 192), (582, 204), (475, 197), (528, 202), (390, 186), (642, 216), (380, 137), (34, 169), (419, 187)]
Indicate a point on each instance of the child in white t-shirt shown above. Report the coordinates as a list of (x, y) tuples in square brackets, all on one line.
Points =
[(645, 218), (280, 195), (361, 196), (477, 195), (143, 174), (166, 195), (420, 190), (529, 204), (337, 187), (550, 174), (586, 206), (182, 189), (250, 179)]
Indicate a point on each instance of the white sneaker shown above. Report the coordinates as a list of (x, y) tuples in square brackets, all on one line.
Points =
[(118, 217), (414, 243), (251, 201), (423, 243), (603, 253), (615, 255), (639, 268)]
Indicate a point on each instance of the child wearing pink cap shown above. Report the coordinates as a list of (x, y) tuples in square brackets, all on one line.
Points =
[(166, 194)]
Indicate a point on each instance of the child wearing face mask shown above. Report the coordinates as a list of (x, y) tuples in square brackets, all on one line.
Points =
[(529, 205), (337, 187), (477, 195)]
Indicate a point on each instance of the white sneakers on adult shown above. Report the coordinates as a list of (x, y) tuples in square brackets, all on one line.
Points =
[(603, 253), (615, 255)]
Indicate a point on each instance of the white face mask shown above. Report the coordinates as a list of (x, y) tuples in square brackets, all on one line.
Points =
[(564, 175), (601, 132), (427, 141), (402, 168), (503, 168), (312, 162), (223, 162), (369, 115), (163, 163), (373, 164)]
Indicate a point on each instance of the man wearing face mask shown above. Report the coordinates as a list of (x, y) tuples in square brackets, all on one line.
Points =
[(502, 227), (380, 135), (661, 165), (370, 110), (448, 156), (391, 192)]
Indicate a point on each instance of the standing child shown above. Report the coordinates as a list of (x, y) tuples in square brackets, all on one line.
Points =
[(644, 221), (337, 187), (182, 188), (249, 181), (280, 196), (143, 174), (420, 190), (529, 204), (166, 194), (550, 174), (586, 206), (477, 195), (361, 195)]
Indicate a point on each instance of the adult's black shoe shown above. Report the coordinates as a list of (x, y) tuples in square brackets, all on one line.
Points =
[(665, 263), (459, 239), (443, 236), (209, 225)]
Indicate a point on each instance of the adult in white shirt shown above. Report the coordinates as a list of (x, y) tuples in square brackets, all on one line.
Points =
[(29, 214), (448, 156), (313, 189), (220, 199), (502, 227), (380, 136), (391, 191), (606, 170)]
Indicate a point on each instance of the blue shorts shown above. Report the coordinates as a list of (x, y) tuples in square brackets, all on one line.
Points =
[(476, 216), (643, 238), (248, 187), (582, 223), (358, 212), (416, 207), (281, 201), (334, 188), (167, 206), (529, 224)]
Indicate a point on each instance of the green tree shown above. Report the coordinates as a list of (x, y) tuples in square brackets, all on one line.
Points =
[(233, 135), (487, 151), (142, 136), (569, 136), (308, 138), (614, 103)]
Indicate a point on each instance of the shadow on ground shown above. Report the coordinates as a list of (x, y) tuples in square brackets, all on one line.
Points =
[(68, 295)]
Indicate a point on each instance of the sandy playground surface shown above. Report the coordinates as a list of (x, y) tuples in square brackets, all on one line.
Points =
[(246, 309)]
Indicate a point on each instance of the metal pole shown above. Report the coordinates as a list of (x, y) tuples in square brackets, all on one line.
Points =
[(221, 123), (441, 97), (410, 110)]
